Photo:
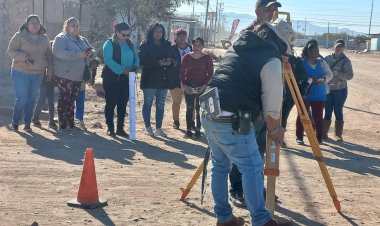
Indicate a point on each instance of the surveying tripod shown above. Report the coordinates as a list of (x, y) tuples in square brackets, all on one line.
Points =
[(272, 159)]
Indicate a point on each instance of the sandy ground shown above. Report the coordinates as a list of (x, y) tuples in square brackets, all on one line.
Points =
[(40, 171)]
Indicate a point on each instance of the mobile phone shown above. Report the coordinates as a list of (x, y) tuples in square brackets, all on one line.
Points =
[(30, 61), (89, 49)]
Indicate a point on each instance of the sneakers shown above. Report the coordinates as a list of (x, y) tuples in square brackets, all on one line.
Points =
[(82, 126), (189, 134), (111, 133), (176, 124), (198, 134), (53, 126), (28, 129), (238, 200), (14, 128), (234, 222), (36, 122), (299, 141), (160, 133), (149, 131), (122, 133)]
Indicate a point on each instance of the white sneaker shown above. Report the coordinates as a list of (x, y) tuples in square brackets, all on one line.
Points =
[(149, 131), (82, 126), (160, 133)]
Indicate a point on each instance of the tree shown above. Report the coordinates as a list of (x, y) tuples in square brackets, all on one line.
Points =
[(140, 13)]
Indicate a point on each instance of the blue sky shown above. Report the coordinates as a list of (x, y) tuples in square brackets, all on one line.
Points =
[(351, 14)]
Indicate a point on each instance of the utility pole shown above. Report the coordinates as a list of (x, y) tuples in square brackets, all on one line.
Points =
[(305, 27), (297, 30), (328, 33), (216, 19), (220, 18), (193, 8), (206, 18), (370, 20)]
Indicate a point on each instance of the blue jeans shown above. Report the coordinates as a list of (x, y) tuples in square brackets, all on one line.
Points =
[(228, 146), (149, 95), (26, 88), (335, 103), (79, 105)]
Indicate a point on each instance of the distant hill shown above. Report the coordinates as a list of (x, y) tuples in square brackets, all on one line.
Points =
[(311, 29)]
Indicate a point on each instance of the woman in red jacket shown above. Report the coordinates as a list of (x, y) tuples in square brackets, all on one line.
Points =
[(196, 71)]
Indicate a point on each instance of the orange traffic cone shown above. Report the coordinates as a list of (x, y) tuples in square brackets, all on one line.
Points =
[(88, 197)]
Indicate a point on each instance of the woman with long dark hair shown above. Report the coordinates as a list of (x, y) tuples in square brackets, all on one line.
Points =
[(120, 58), (30, 51), (318, 74), (158, 60)]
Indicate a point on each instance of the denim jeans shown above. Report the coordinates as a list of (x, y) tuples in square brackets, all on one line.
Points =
[(192, 102), (335, 103), (79, 105), (261, 138), (149, 95), (26, 88), (46, 94), (228, 146)]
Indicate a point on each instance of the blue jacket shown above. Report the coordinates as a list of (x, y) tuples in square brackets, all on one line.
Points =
[(318, 91), (129, 57)]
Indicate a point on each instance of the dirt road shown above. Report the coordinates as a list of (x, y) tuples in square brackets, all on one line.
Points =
[(40, 172)]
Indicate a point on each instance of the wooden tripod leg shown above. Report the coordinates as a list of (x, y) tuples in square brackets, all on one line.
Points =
[(272, 162), (192, 182), (302, 112)]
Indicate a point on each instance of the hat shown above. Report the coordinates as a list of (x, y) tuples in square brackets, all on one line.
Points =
[(340, 42), (267, 3), (285, 32)]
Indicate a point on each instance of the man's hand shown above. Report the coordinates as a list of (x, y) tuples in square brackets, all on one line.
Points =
[(275, 131), (278, 135)]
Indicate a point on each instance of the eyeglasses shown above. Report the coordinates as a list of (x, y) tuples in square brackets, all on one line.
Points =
[(125, 35)]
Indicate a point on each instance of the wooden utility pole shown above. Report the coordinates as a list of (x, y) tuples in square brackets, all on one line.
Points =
[(216, 19), (328, 33), (206, 18), (370, 20)]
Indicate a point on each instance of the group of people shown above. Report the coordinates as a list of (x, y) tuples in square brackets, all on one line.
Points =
[(248, 80), (69, 62), (38, 65)]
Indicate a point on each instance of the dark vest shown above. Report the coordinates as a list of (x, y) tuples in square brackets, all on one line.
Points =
[(238, 79), (116, 56)]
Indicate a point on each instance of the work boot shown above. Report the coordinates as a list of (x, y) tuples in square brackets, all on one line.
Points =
[(234, 222), (326, 128), (339, 131)]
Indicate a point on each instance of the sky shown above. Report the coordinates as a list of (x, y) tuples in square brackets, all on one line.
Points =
[(352, 14)]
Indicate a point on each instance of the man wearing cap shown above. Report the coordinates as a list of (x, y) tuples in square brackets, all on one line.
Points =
[(342, 72), (264, 12), (249, 83)]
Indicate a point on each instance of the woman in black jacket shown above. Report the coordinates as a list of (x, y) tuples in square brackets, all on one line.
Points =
[(158, 61)]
